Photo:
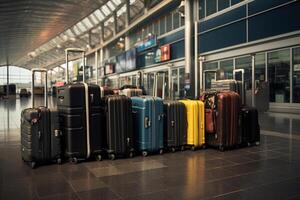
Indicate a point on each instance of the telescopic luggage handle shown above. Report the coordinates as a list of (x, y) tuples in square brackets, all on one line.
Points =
[(41, 70), (74, 50), (242, 71)]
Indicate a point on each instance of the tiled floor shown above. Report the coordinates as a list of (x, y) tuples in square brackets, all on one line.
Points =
[(269, 171)]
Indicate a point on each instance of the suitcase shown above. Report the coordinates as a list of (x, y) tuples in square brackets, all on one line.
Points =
[(119, 133), (249, 126), (148, 118), (175, 125), (40, 134), (226, 108), (80, 117), (227, 85), (131, 92), (195, 121), (81, 121)]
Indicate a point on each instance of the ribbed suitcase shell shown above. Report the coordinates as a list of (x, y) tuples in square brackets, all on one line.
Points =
[(119, 133), (40, 136), (148, 136), (175, 125), (196, 122), (249, 126), (72, 112), (227, 120)]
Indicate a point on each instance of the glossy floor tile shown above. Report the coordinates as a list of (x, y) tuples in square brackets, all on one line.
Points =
[(268, 171)]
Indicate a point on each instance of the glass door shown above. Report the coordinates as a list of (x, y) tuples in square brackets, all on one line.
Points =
[(296, 75)]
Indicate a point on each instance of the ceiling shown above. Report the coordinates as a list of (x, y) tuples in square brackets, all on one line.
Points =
[(35, 33), (27, 24)]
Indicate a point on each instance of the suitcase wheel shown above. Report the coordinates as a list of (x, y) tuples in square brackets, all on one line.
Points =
[(58, 161), (73, 160), (145, 153), (98, 157), (161, 151), (112, 156), (172, 149), (130, 154), (182, 148), (193, 148), (32, 165), (257, 143), (249, 144)]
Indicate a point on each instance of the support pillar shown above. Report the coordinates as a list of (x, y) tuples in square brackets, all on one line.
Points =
[(96, 66), (7, 79), (188, 47), (253, 82)]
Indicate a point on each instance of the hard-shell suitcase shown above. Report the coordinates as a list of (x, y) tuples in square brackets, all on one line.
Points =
[(196, 121), (227, 85), (249, 126), (81, 121), (40, 134), (148, 119), (175, 125), (80, 116), (226, 107), (119, 133), (129, 92)]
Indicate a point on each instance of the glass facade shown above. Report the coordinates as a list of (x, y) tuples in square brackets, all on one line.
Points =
[(227, 66), (279, 76), (17, 75), (209, 7), (296, 75), (280, 68)]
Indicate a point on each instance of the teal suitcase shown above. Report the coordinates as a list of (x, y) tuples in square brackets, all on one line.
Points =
[(148, 113)]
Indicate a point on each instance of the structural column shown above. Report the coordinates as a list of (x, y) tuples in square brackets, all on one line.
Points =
[(188, 46), (96, 66), (7, 79)]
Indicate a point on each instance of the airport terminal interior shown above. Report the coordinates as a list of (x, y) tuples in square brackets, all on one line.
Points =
[(150, 99)]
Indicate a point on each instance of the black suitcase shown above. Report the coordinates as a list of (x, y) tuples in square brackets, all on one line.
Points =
[(119, 132), (175, 125), (80, 116), (249, 126), (40, 134), (82, 135)]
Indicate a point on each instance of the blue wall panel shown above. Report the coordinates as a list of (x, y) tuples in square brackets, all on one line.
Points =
[(275, 22), (171, 38), (225, 18), (223, 37), (177, 50), (261, 5)]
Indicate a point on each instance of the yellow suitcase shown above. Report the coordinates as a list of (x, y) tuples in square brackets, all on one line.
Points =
[(195, 118)]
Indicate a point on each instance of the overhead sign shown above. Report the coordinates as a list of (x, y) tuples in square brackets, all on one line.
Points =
[(158, 55), (146, 44), (165, 53), (59, 83)]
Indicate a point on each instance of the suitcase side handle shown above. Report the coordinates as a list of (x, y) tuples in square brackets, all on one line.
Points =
[(147, 122)]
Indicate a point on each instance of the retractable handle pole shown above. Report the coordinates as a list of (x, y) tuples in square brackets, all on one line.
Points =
[(42, 71), (74, 50), (242, 71), (204, 75)]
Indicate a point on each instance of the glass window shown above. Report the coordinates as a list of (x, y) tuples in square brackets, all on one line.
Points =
[(227, 66), (246, 64), (222, 4), (235, 1), (162, 25), (181, 82), (296, 75), (260, 68), (279, 76), (181, 21), (169, 22), (211, 7), (202, 9), (175, 20), (209, 76), (174, 82)]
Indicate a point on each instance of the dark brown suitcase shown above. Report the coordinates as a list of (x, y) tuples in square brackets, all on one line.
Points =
[(175, 125), (119, 132), (227, 108)]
